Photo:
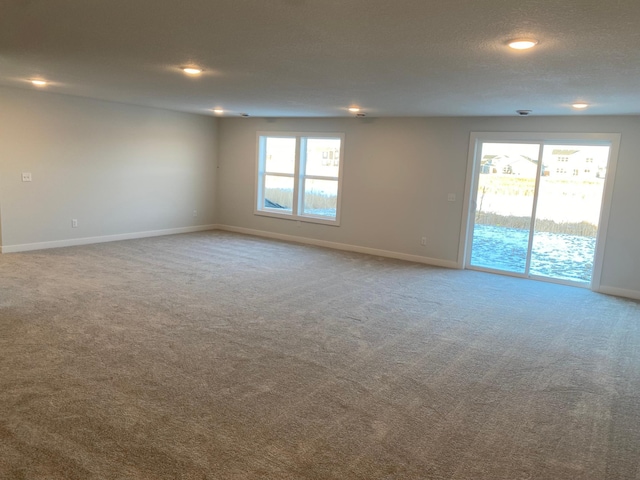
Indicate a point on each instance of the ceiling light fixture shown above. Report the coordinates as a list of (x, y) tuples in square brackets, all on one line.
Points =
[(580, 105), (354, 109), (522, 43), (218, 111), (192, 70), (39, 83)]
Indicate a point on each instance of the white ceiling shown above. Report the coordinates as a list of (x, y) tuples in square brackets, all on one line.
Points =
[(316, 57)]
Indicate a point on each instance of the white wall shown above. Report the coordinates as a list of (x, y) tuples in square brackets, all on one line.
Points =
[(118, 169), (123, 169), (398, 172)]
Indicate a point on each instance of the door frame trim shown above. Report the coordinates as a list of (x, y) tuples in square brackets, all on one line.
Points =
[(610, 139)]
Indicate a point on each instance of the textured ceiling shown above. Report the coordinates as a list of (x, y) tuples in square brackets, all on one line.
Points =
[(316, 57)]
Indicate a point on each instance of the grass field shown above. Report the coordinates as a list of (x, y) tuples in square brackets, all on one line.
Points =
[(514, 185), (312, 200), (565, 205), (583, 229)]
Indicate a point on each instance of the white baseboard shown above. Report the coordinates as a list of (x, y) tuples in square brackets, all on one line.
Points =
[(341, 246), (25, 247), (619, 292)]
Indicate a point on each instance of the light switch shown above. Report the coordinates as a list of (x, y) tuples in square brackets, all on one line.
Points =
[(451, 197), (26, 176)]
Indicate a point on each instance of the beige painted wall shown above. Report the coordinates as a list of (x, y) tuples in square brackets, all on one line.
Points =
[(118, 169), (398, 172), (123, 169)]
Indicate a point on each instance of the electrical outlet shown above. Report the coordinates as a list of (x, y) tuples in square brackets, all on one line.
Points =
[(26, 176), (74, 223), (451, 197), (423, 241)]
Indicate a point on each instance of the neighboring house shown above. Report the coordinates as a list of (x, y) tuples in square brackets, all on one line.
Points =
[(487, 164), (574, 163), (518, 165), (562, 163)]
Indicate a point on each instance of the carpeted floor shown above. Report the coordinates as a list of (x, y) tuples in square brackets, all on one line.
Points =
[(221, 356)]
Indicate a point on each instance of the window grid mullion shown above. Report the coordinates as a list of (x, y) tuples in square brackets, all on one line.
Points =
[(320, 177), (279, 174), (296, 173), (302, 174)]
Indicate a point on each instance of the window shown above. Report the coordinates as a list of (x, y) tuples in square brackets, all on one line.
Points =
[(299, 176), (559, 216)]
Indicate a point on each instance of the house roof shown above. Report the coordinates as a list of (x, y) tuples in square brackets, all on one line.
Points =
[(558, 151), (511, 160), (316, 58)]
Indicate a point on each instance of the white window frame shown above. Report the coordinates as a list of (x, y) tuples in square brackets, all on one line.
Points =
[(476, 138), (299, 177)]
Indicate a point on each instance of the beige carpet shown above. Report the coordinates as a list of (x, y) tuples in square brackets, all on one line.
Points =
[(220, 356)]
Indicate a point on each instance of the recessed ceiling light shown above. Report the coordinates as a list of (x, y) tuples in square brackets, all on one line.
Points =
[(522, 43), (39, 83), (218, 111), (192, 70), (354, 109), (580, 106)]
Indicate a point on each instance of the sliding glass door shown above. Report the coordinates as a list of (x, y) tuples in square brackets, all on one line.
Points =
[(505, 202), (536, 208), (569, 204)]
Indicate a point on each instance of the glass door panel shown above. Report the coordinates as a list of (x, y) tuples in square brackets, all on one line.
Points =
[(568, 211), (504, 206)]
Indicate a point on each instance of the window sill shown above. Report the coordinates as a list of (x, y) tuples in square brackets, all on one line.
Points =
[(297, 218)]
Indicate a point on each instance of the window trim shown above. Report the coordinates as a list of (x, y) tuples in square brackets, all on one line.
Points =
[(298, 176), (610, 139)]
